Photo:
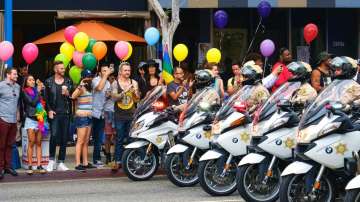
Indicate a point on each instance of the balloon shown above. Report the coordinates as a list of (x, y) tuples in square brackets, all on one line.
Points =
[(310, 32), (180, 52), (99, 50), (264, 9), (75, 74), (90, 45), (130, 52), (121, 49), (77, 58), (30, 52), (6, 50), (213, 55), (70, 33), (220, 19), (67, 49), (152, 36), (81, 41), (89, 61), (62, 58), (267, 47)]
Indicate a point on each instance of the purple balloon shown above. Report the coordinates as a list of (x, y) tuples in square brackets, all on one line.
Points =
[(264, 9), (267, 47), (220, 19)]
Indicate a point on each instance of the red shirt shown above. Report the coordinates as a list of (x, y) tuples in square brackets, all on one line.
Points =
[(283, 77)]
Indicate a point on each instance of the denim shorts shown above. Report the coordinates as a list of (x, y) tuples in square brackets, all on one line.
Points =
[(82, 122), (31, 124)]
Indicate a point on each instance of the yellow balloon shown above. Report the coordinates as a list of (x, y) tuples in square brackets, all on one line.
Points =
[(180, 52), (213, 55), (67, 49), (81, 41), (129, 52)]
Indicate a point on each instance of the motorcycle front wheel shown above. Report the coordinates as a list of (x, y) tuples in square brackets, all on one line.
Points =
[(178, 173), (139, 167), (352, 195), (212, 179)]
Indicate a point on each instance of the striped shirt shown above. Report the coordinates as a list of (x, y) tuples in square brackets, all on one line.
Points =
[(84, 104)]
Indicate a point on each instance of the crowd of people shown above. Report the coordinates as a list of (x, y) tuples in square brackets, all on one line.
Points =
[(104, 103)]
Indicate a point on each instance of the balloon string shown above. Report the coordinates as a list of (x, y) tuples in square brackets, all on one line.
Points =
[(221, 39), (252, 40), (265, 65)]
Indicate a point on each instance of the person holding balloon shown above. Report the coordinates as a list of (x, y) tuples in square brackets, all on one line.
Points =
[(58, 104)]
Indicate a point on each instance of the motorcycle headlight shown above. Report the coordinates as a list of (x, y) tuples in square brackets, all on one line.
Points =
[(330, 127), (279, 122), (138, 125), (204, 106)]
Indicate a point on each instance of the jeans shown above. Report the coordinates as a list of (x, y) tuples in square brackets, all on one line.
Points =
[(97, 131), (59, 133), (122, 132)]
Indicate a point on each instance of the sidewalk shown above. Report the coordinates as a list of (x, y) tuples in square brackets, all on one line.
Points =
[(103, 172)]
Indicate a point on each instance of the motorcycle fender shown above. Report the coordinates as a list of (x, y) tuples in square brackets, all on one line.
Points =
[(354, 183), (177, 149), (137, 144), (210, 155), (252, 158), (296, 167)]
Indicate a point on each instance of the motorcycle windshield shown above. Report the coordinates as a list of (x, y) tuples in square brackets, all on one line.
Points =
[(193, 104), (283, 93), (241, 96), (317, 110), (146, 103)]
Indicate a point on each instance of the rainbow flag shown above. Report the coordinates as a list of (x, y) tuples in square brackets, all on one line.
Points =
[(167, 69)]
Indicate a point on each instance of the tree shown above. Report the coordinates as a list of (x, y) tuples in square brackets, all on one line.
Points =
[(168, 28)]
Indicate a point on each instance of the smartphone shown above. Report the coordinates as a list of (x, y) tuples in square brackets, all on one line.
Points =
[(111, 67)]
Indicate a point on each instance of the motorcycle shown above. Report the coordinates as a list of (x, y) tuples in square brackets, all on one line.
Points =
[(217, 167), (273, 135), (182, 159), (153, 129), (326, 137)]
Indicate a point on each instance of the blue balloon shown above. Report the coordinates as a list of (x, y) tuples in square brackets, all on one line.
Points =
[(152, 36)]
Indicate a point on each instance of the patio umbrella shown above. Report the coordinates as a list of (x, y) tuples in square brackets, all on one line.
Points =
[(95, 29)]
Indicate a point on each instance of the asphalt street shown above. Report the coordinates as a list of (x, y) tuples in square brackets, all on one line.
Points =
[(106, 189)]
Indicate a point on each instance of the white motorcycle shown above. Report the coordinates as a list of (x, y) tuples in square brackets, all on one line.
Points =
[(183, 159), (273, 137), (217, 168), (325, 139), (352, 166), (154, 130)]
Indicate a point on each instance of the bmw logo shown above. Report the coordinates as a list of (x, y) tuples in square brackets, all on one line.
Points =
[(198, 136), (235, 140), (329, 150), (278, 142)]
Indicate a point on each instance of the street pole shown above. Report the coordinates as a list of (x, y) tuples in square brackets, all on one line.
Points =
[(9, 25)]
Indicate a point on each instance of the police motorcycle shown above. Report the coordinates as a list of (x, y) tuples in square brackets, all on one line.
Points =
[(183, 159), (153, 129), (326, 137), (230, 130)]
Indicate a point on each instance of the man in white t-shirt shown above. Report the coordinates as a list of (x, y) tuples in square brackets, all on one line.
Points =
[(100, 85)]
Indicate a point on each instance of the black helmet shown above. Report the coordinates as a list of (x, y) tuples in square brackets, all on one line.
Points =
[(203, 78), (152, 63), (300, 70), (142, 65), (347, 65), (251, 73)]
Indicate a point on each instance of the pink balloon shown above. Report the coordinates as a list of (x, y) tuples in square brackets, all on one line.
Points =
[(121, 49), (30, 52), (6, 50), (77, 58), (69, 33)]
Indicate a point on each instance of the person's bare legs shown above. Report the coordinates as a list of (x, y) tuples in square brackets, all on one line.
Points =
[(31, 143), (38, 147), (81, 136), (85, 149)]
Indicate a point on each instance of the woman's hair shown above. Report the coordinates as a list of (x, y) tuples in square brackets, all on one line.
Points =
[(147, 74), (26, 81), (210, 66), (87, 83)]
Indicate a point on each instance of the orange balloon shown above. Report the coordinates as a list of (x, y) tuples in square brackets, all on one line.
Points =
[(99, 50)]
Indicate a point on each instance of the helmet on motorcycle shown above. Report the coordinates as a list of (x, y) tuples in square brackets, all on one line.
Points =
[(251, 73), (300, 70), (203, 78), (343, 67)]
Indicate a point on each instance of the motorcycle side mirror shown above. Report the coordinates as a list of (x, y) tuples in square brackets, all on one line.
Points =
[(334, 106), (216, 107), (283, 104)]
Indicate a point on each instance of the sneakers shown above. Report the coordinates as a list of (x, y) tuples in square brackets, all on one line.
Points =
[(51, 166), (62, 167), (41, 170), (80, 168), (99, 164), (29, 171), (89, 166)]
